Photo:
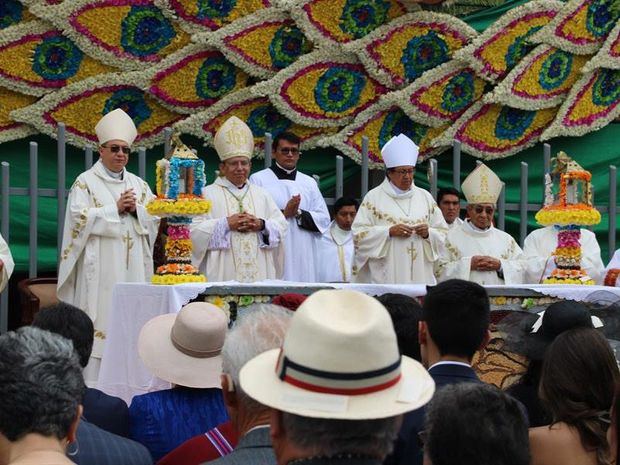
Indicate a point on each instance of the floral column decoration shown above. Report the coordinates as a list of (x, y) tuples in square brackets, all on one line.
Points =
[(568, 210), (180, 178)]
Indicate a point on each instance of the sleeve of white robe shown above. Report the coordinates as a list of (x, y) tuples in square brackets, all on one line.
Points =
[(319, 212), (437, 229), (451, 265), (513, 266), (591, 259), (7, 263), (275, 224), (148, 223), (371, 241), (535, 262)]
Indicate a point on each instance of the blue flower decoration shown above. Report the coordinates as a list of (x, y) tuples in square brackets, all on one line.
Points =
[(397, 122), (145, 31), (131, 101), (606, 88), (423, 53), (56, 58), (459, 92), (555, 69), (216, 77), (180, 219), (287, 44), (339, 89), (11, 12), (519, 48), (512, 123), (211, 9), (600, 18), (359, 17), (266, 119)]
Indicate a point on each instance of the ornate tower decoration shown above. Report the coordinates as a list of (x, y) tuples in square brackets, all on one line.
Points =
[(568, 209), (180, 179)]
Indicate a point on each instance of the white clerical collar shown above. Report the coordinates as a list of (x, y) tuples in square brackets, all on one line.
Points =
[(475, 228), (226, 183), (339, 234), (112, 174), (285, 170), (398, 191)]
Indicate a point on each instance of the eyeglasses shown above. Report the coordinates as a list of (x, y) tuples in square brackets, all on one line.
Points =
[(488, 210), (117, 148), (404, 172), (291, 150)]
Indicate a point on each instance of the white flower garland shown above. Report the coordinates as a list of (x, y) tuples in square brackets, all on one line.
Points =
[(434, 21), (604, 58)]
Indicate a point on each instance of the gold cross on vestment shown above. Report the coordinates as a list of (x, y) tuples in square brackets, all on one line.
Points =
[(129, 242), (413, 253)]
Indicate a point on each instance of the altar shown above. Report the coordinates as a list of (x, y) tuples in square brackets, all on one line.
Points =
[(123, 375)]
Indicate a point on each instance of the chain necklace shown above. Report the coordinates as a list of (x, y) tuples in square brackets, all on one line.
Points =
[(237, 198)]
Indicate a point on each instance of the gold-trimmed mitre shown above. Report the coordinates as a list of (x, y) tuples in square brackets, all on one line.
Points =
[(234, 139), (481, 186)]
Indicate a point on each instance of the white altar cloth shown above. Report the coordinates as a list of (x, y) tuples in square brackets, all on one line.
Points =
[(122, 373)]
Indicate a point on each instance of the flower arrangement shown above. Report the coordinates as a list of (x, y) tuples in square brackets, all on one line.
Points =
[(609, 54), (567, 215), (185, 204), (9, 129), (611, 278)]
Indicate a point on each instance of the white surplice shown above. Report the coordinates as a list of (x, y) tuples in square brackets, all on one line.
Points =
[(7, 260), (465, 241), (540, 244), (382, 259), (300, 244), (225, 255), (101, 247), (457, 221), (335, 255)]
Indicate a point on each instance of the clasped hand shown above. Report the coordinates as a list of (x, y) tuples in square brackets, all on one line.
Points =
[(127, 202), (244, 222), (485, 263), (290, 210), (403, 230)]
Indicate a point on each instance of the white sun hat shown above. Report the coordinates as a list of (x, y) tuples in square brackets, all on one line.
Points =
[(116, 125), (399, 151), (339, 360)]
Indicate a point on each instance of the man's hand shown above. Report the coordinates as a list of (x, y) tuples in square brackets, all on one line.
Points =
[(401, 230), (126, 202), (235, 221), (290, 210), (251, 224), (485, 263), (421, 230)]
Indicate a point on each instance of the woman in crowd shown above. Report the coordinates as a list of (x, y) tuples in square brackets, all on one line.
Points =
[(41, 388), (577, 387)]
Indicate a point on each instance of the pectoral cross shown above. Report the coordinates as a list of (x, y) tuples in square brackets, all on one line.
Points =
[(413, 253), (129, 242)]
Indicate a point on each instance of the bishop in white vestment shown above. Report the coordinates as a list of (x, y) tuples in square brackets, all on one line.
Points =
[(108, 234), (475, 250), (335, 249), (299, 198), (6, 263), (240, 239), (540, 244), (398, 229)]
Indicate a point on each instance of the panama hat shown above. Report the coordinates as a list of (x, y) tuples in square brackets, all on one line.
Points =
[(339, 360), (184, 348)]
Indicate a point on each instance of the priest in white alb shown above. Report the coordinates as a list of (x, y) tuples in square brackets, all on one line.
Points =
[(335, 249), (108, 234), (240, 239), (398, 229), (540, 245), (475, 250), (6, 263), (299, 198)]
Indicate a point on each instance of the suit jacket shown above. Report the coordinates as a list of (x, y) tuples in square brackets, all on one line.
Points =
[(407, 448), (96, 446), (253, 449), (107, 412)]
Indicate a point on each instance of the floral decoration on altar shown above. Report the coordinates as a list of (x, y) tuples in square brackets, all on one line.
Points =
[(13, 12), (9, 129)]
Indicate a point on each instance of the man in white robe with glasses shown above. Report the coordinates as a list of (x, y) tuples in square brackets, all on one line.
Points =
[(398, 229), (475, 250), (108, 234)]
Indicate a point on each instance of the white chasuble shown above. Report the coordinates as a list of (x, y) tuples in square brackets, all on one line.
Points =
[(8, 263), (540, 245), (335, 255), (225, 255), (382, 259), (300, 262), (465, 241), (101, 247)]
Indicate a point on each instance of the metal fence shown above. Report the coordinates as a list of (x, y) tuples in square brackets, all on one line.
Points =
[(60, 193)]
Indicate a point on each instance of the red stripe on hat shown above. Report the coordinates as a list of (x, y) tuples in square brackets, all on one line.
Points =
[(342, 391)]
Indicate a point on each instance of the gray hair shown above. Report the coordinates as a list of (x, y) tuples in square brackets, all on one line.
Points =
[(41, 384), (328, 437), (260, 328)]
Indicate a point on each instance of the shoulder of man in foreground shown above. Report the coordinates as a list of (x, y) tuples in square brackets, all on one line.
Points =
[(253, 449)]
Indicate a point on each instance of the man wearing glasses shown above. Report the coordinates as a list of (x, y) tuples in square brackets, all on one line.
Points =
[(398, 229), (299, 198), (108, 234), (476, 250)]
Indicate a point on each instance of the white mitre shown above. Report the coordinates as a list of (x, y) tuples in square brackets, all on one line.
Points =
[(234, 139), (481, 186), (399, 151), (116, 125)]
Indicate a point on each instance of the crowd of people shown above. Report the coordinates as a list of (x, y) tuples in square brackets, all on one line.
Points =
[(343, 378)]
